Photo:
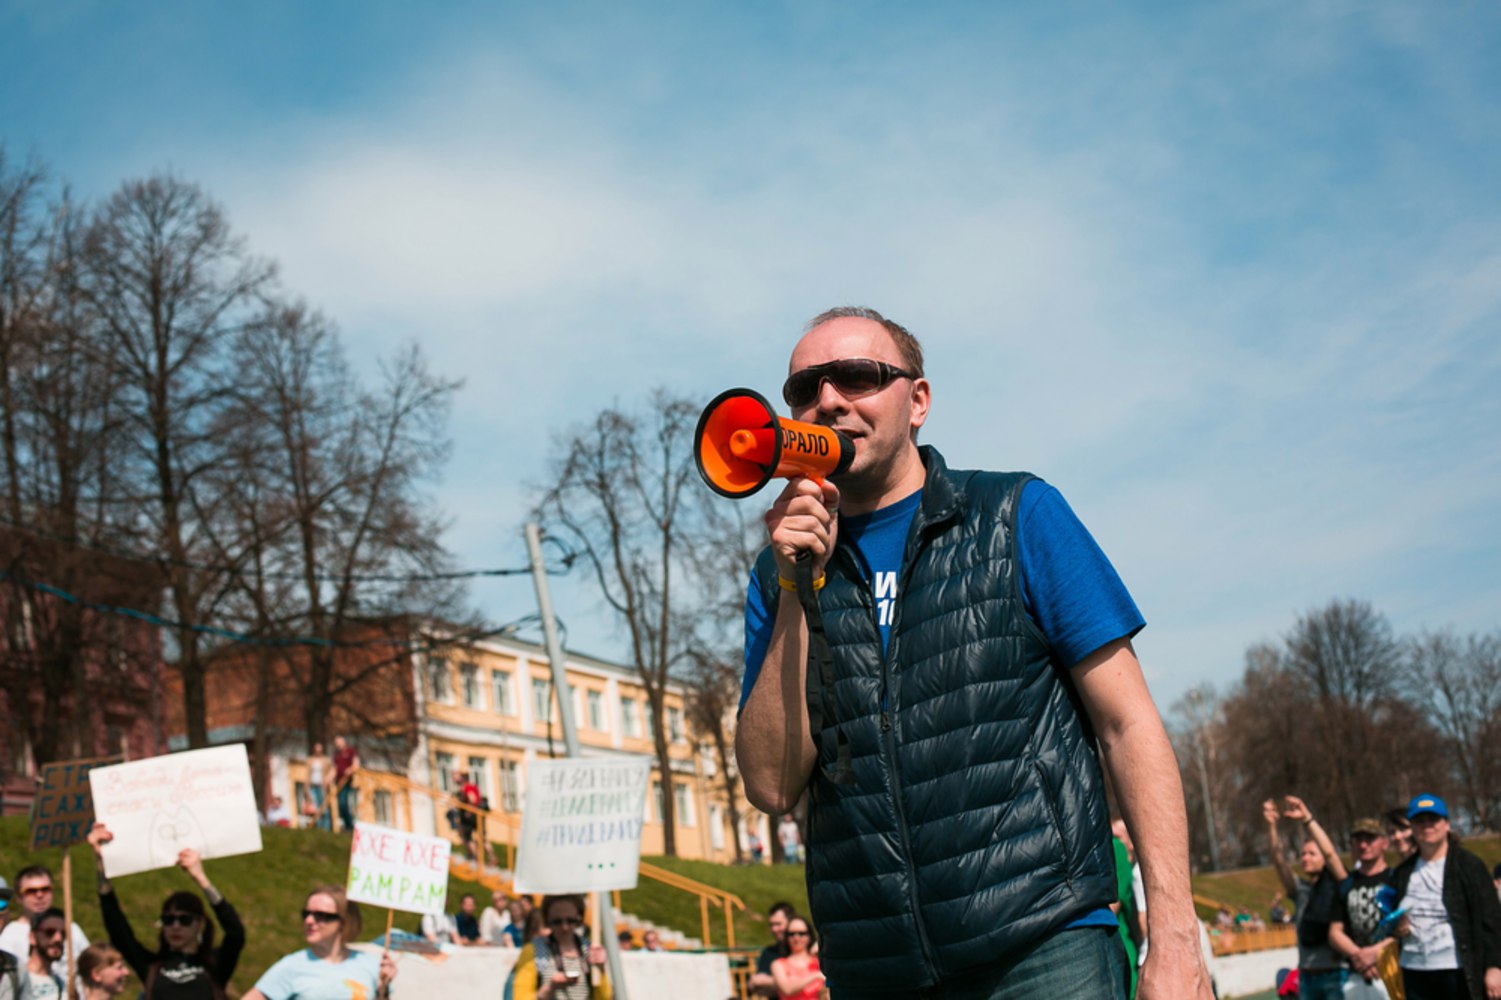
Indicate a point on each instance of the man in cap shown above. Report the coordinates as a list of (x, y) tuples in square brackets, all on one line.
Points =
[(1352, 932)]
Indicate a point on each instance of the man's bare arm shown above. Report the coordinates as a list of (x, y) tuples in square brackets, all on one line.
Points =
[(772, 743), (1135, 750)]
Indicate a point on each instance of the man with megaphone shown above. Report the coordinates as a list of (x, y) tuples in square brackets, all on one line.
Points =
[(945, 683)]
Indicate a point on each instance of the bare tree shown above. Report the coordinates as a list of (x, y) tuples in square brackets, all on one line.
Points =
[(1460, 680), (172, 285), (58, 433), (626, 492), (339, 472)]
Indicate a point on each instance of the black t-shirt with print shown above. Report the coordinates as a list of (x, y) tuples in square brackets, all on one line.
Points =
[(1357, 908)]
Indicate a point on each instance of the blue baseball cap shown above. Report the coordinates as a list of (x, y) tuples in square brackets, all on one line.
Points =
[(1427, 804)]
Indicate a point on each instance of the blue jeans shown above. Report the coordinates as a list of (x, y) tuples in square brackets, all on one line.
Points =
[(1327, 985), (1083, 963), (348, 797), (324, 822)]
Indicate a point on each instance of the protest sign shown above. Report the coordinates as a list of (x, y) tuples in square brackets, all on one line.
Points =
[(63, 809), (156, 807), (397, 870), (581, 830)]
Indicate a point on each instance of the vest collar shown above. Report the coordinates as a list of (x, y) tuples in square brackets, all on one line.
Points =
[(940, 499)]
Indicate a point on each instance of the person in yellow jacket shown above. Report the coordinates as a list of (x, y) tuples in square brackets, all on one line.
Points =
[(561, 964)]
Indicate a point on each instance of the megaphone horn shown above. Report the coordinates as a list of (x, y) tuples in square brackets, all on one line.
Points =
[(743, 445)]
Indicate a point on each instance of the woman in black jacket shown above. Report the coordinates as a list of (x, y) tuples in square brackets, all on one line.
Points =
[(185, 964), (1451, 932)]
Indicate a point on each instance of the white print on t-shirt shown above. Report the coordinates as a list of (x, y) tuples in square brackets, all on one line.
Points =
[(885, 597), (1430, 947)]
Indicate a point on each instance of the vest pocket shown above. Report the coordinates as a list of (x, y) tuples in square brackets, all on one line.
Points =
[(1050, 783)]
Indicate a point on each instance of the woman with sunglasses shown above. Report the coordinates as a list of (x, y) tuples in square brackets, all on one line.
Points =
[(560, 964), (327, 969), (102, 971), (185, 965), (797, 975)]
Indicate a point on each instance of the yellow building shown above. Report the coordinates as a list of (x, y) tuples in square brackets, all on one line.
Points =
[(488, 707)]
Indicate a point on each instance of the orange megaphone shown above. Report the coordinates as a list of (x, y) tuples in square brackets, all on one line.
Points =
[(743, 445)]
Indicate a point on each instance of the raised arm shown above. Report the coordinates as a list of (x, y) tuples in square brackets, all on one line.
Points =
[(772, 743), (1271, 814), (1296, 809), (1135, 750)]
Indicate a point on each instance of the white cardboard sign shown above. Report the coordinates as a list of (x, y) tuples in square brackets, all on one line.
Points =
[(581, 831), (156, 807), (397, 870)]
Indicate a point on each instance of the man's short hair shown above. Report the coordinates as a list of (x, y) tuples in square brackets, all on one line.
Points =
[(781, 907), (51, 912), (906, 344), (33, 871), (1396, 819)]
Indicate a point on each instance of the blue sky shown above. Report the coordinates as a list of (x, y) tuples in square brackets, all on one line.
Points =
[(1229, 275)]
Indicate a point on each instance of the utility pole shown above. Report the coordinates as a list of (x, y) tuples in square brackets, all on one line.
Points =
[(604, 907)]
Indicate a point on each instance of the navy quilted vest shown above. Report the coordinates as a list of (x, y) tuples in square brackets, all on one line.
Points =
[(976, 821)]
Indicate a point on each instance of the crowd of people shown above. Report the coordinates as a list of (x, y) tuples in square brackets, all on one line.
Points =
[(1437, 912)]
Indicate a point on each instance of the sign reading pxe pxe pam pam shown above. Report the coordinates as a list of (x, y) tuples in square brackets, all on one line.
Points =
[(402, 871)]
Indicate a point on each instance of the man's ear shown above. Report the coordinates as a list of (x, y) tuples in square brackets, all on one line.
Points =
[(922, 398)]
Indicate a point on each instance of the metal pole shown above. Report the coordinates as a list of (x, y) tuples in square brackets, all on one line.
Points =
[(571, 738)]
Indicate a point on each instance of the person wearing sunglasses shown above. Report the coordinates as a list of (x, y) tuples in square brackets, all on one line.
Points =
[(186, 964), (560, 964), (328, 969), (34, 894), (945, 689), (797, 975)]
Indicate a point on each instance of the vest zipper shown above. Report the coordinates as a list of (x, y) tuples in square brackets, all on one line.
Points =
[(895, 768)]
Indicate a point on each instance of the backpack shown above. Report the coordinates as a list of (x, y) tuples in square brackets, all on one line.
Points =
[(9, 970)]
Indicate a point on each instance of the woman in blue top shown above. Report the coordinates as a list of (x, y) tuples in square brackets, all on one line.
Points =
[(327, 969)]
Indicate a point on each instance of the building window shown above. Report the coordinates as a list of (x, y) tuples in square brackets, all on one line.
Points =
[(510, 786), (675, 725), (654, 803), (500, 692), (438, 688), (445, 765), (469, 681), (683, 801), (716, 828), (630, 721), (479, 773), (596, 700), (541, 700), (383, 813)]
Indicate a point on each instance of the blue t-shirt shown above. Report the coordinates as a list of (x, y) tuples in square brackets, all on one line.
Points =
[(304, 976), (1069, 587)]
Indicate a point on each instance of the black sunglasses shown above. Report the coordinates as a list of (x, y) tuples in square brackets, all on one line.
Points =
[(321, 916), (564, 922), (798, 934), (853, 377), (177, 920)]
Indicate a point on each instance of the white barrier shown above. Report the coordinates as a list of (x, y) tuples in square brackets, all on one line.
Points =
[(1252, 971), (482, 972)]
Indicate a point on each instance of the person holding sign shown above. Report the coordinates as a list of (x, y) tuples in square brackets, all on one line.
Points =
[(554, 966), (185, 964), (327, 969)]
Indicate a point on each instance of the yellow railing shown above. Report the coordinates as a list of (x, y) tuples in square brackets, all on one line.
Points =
[(709, 897)]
